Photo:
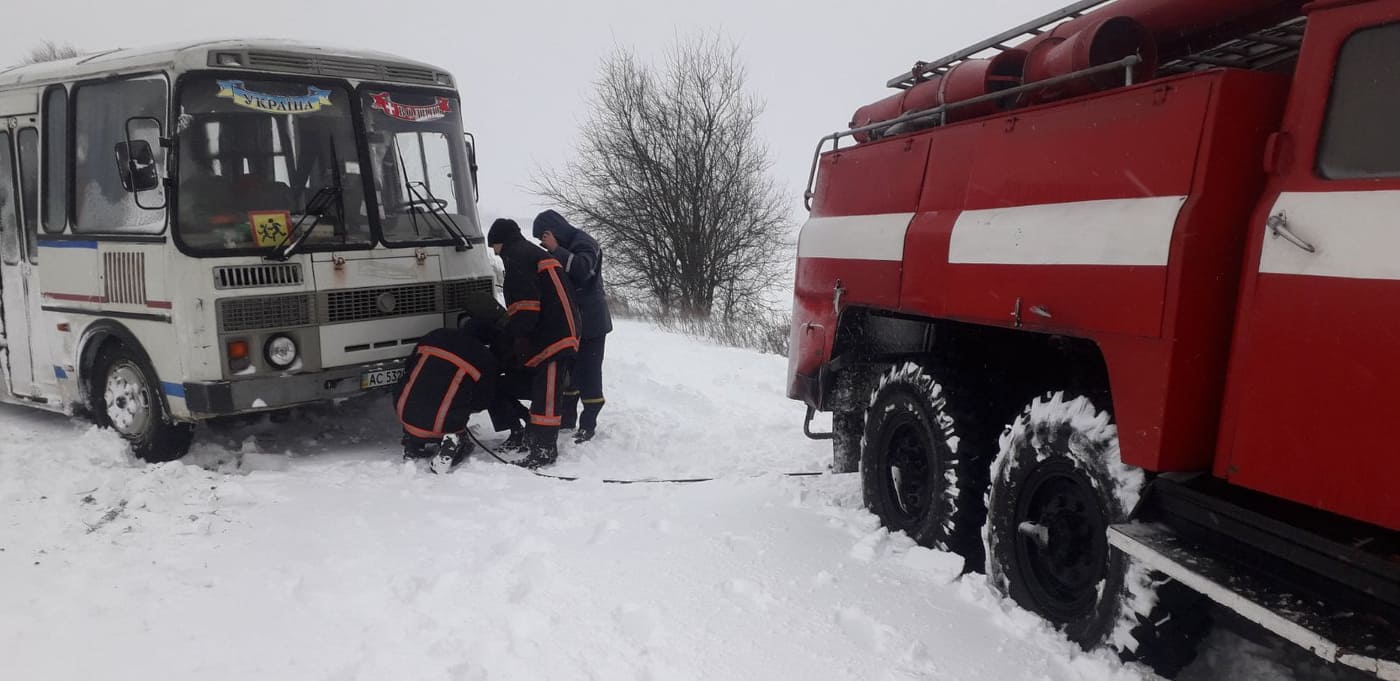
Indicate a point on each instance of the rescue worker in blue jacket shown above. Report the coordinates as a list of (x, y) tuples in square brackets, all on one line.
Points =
[(582, 258), (544, 329)]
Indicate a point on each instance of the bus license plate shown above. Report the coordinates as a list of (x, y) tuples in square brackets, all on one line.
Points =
[(380, 379)]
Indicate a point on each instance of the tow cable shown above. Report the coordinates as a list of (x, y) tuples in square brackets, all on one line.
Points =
[(610, 481)]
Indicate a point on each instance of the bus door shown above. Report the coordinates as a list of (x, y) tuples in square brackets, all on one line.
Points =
[(14, 266)]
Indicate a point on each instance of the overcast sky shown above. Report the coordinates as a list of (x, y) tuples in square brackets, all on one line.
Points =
[(525, 68)]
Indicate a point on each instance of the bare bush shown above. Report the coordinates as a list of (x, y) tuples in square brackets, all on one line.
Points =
[(670, 173), (49, 50)]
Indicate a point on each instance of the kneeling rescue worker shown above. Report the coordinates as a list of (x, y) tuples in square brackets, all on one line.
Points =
[(449, 375), (544, 328)]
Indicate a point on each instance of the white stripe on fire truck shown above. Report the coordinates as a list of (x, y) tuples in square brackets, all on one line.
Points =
[(1354, 233), (1105, 232), (855, 237)]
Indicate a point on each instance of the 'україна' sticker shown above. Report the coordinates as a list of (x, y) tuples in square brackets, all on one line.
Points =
[(312, 101), (382, 101)]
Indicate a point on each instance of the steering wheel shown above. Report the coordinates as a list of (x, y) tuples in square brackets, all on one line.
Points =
[(405, 206)]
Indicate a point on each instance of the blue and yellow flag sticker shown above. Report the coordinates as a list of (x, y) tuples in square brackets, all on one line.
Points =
[(270, 227), (312, 101)]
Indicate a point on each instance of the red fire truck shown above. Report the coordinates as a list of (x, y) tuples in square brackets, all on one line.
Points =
[(1109, 304)]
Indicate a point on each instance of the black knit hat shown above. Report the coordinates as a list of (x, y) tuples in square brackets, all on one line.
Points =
[(503, 231)]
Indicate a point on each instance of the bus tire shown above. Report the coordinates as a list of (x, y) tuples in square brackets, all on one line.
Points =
[(1057, 484), (912, 470), (125, 396)]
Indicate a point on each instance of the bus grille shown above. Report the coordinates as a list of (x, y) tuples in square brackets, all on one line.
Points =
[(459, 293), (264, 312), (257, 276), (376, 303)]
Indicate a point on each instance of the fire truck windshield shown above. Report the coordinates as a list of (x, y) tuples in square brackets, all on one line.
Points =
[(252, 155), (421, 173)]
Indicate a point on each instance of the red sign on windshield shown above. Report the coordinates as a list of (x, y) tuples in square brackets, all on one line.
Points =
[(381, 101)]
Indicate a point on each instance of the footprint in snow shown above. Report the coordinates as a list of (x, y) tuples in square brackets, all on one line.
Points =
[(637, 623), (864, 630), (749, 594), (603, 531)]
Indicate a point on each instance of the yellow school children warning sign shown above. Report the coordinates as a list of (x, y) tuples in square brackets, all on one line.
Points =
[(270, 227)]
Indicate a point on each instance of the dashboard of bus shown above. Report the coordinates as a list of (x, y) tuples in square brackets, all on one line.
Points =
[(262, 161)]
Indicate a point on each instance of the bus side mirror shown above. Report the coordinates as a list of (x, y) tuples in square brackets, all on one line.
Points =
[(136, 164), (471, 163)]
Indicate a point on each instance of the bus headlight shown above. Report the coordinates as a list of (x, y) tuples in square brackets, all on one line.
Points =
[(281, 351)]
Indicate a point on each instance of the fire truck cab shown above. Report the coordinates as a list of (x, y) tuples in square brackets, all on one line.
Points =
[(1107, 303)]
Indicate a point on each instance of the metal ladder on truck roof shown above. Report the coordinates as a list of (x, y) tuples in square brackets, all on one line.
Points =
[(1000, 42), (1258, 51)]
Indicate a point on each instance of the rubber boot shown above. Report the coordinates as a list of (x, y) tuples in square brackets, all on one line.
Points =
[(568, 411), (451, 452), (514, 444), (543, 442), (588, 421)]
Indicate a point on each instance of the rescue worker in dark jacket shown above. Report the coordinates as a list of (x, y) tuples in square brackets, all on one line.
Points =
[(448, 376), (582, 258), (544, 328)]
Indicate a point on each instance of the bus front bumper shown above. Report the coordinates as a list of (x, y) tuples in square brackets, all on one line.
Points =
[(220, 398)]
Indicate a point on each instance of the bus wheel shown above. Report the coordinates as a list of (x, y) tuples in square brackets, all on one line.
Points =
[(912, 471), (1057, 485), (125, 398)]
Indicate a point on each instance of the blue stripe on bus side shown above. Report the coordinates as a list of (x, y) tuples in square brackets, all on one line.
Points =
[(173, 389), (92, 245), (59, 373)]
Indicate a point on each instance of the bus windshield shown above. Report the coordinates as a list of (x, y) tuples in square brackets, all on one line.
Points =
[(254, 154), (421, 174)]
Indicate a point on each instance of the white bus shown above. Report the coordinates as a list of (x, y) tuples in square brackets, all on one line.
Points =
[(227, 227)]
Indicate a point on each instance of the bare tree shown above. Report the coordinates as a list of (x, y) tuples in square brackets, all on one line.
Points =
[(49, 50), (671, 173)]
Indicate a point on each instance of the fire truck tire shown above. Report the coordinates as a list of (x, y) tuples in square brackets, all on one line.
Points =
[(846, 429), (1056, 485), (125, 397), (911, 467)]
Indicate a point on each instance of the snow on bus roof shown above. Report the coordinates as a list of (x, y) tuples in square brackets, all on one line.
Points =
[(187, 55)]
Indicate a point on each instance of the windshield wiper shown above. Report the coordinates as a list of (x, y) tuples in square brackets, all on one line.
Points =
[(422, 196), (315, 209)]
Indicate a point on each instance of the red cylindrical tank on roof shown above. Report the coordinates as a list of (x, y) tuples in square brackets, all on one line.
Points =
[(875, 112), (1173, 28), (1069, 48), (977, 77), (969, 79), (1180, 26)]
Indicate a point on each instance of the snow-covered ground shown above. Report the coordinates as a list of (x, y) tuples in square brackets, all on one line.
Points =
[(305, 550)]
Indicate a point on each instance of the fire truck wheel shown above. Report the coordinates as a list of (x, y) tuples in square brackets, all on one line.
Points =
[(911, 467), (1056, 486), (125, 398), (847, 428)]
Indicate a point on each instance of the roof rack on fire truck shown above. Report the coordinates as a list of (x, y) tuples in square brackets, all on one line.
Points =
[(1259, 51), (925, 70)]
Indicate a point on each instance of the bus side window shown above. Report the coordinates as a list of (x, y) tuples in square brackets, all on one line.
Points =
[(29, 188), (9, 208), (55, 160), (102, 204), (1359, 139)]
